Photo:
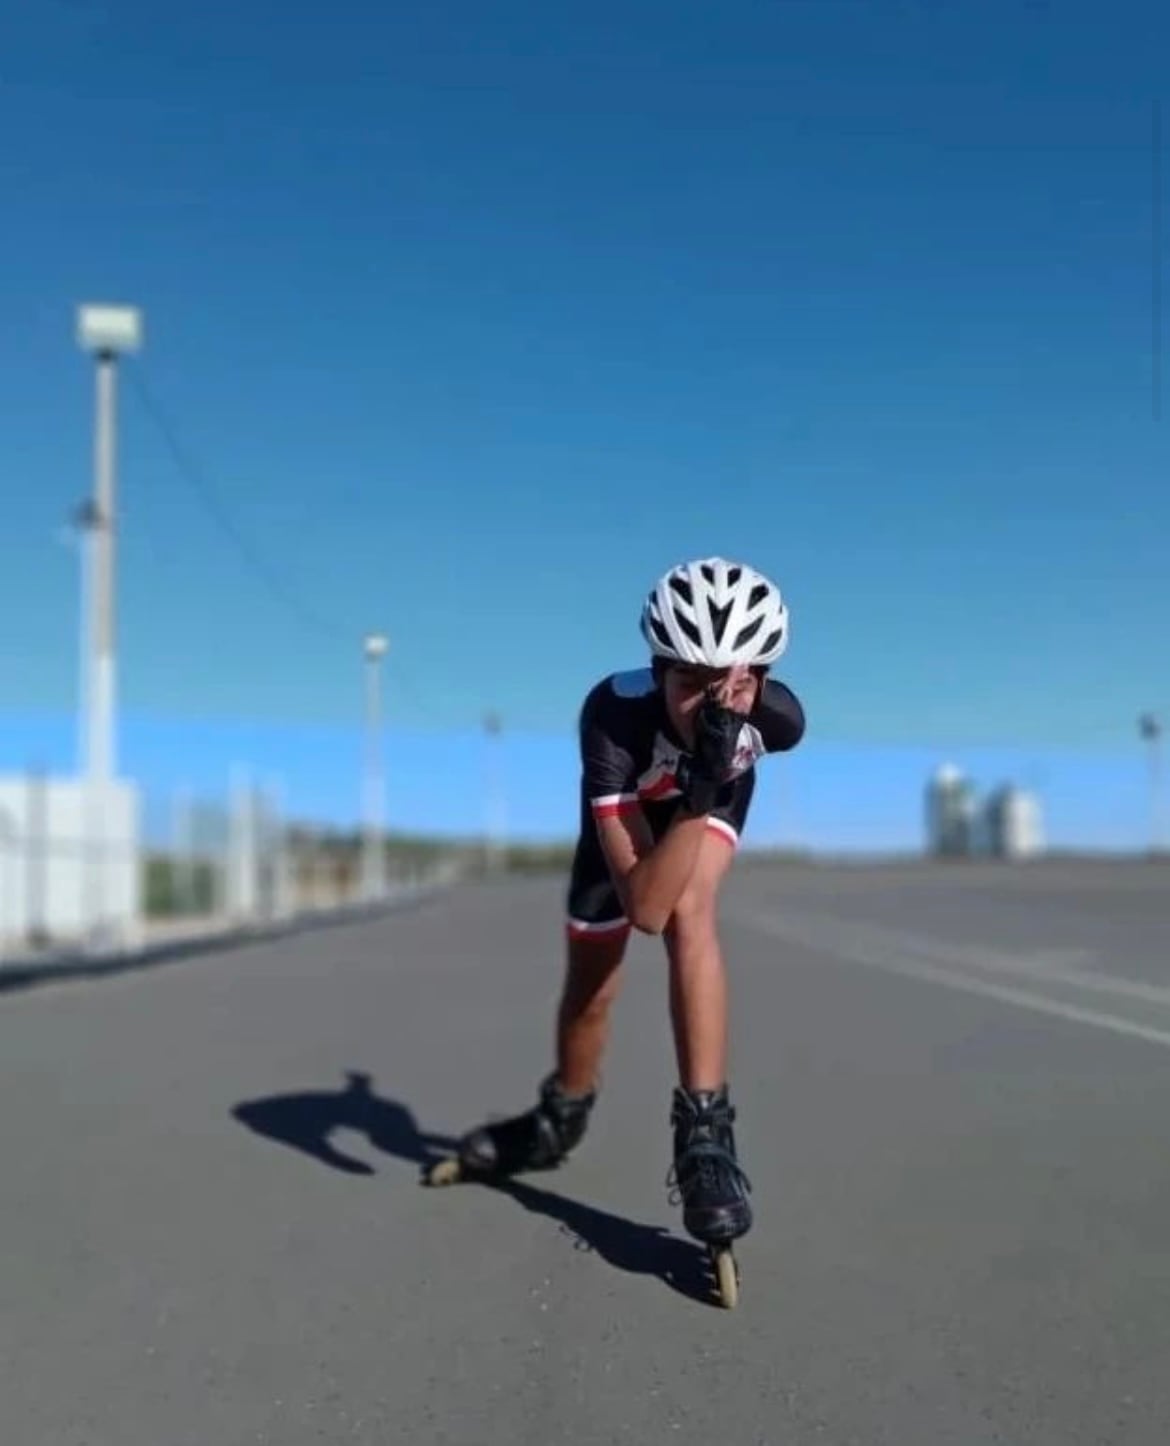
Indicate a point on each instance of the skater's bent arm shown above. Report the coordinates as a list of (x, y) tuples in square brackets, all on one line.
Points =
[(650, 877)]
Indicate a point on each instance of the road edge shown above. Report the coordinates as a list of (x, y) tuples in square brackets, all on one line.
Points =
[(78, 964)]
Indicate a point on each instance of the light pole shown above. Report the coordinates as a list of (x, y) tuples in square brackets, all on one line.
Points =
[(1150, 729), (493, 728), (106, 332), (373, 858)]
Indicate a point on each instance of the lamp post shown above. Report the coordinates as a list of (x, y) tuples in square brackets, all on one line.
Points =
[(493, 728), (373, 857), (106, 332), (1150, 730)]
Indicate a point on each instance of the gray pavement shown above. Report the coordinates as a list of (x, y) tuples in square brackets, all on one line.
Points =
[(954, 1094)]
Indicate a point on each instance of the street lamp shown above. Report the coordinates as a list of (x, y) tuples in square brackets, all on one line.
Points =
[(493, 728), (106, 332), (373, 859), (1150, 730)]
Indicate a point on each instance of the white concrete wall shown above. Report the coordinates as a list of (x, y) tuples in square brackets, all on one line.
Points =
[(70, 861)]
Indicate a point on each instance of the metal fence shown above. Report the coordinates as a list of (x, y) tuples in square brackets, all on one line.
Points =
[(116, 868)]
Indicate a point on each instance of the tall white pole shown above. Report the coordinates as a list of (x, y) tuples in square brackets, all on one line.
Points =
[(101, 760), (83, 521), (497, 824), (1150, 729), (373, 858), (105, 332)]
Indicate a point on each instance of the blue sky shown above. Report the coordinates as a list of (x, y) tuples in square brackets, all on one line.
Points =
[(477, 319)]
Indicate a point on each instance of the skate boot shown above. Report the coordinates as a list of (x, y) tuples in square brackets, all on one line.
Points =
[(539, 1139), (708, 1180)]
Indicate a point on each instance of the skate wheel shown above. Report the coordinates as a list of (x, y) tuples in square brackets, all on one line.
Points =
[(445, 1172), (726, 1275)]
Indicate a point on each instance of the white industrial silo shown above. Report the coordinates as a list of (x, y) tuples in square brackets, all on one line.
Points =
[(1015, 823), (950, 813)]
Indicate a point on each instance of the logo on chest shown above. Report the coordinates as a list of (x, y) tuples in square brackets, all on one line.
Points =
[(658, 780)]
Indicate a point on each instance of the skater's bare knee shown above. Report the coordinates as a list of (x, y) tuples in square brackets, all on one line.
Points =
[(693, 924), (695, 910)]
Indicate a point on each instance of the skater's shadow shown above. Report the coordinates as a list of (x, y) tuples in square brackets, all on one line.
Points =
[(638, 1249), (306, 1120)]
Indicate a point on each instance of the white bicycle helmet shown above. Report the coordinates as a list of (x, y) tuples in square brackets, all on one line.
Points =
[(715, 613)]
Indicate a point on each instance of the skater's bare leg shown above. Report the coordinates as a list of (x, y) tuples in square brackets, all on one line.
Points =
[(698, 985), (710, 1183), (592, 981)]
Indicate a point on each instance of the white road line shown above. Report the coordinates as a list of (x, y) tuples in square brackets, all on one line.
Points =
[(1057, 965), (881, 958)]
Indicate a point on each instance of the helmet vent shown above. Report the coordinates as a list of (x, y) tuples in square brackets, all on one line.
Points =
[(746, 634), (691, 631), (681, 586), (660, 632)]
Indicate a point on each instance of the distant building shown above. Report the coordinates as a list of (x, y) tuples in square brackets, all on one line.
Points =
[(982, 840), (1015, 827), (950, 814)]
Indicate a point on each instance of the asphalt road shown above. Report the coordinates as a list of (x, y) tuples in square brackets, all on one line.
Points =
[(954, 1094)]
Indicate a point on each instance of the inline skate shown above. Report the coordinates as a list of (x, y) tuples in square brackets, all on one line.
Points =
[(539, 1139), (707, 1179)]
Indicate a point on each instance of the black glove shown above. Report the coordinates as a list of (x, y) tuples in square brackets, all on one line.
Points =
[(703, 776)]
